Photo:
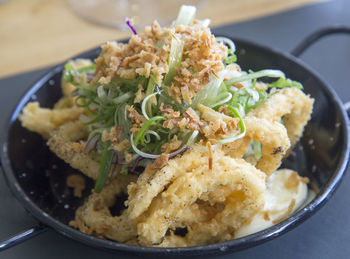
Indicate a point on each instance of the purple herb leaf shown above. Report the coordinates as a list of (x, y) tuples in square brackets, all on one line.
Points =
[(179, 151), (89, 76), (128, 22), (74, 93), (91, 144), (115, 158), (137, 161)]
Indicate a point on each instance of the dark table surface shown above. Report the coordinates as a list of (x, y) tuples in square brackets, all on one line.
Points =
[(324, 235)]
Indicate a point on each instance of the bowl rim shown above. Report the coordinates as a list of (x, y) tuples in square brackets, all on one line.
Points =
[(222, 247)]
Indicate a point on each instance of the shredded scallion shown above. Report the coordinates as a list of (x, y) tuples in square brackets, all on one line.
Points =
[(241, 125), (139, 152), (105, 166), (255, 75), (145, 126)]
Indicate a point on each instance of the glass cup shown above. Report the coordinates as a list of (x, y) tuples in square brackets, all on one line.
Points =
[(140, 12)]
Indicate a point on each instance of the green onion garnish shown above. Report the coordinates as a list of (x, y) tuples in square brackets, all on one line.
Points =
[(254, 75), (241, 125), (105, 166), (286, 82), (146, 125)]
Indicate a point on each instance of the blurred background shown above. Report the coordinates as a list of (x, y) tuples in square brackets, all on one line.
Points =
[(38, 33)]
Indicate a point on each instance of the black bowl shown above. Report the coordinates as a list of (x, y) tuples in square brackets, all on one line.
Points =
[(37, 177)]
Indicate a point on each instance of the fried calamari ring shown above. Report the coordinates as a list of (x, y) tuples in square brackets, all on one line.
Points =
[(273, 137), (274, 140), (263, 125), (64, 142), (292, 106), (95, 218), (200, 183), (151, 182), (229, 214), (44, 121)]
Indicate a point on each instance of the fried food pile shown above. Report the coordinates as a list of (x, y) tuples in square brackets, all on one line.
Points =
[(170, 120)]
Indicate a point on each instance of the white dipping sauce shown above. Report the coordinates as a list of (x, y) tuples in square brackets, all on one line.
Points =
[(285, 193)]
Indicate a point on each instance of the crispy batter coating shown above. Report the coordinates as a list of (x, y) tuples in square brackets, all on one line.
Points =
[(292, 106), (64, 142), (44, 120), (190, 180), (95, 218), (77, 182), (263, 125), (151, 182), (273, 137)]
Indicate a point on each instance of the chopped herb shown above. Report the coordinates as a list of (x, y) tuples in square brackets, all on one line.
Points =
[(285, 82), (105, 166)]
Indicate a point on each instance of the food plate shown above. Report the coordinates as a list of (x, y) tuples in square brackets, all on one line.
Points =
[(35, 175)]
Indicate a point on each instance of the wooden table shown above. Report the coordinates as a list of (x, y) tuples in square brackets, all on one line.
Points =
[(38, 33)]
